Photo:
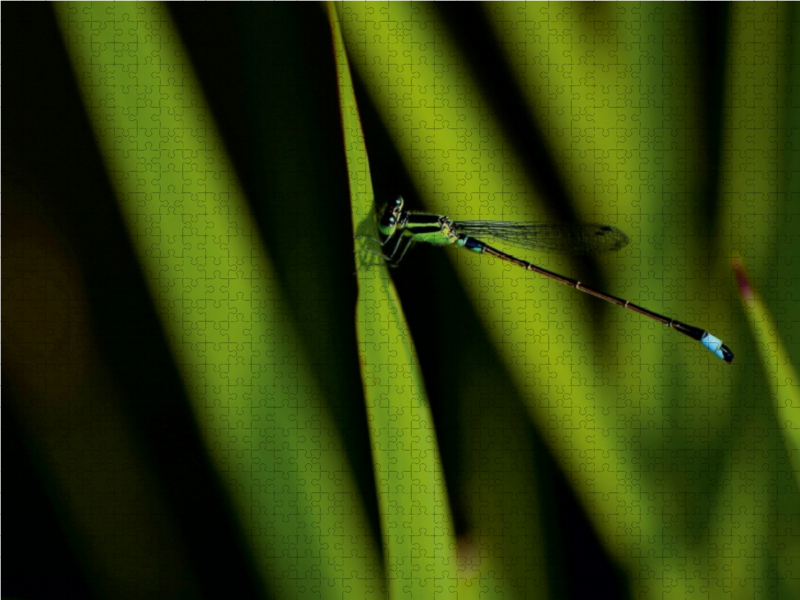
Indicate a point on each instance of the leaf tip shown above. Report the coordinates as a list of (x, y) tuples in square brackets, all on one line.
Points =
[(745, 289)]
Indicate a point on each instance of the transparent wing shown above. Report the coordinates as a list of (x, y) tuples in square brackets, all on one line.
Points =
[(584, 239)]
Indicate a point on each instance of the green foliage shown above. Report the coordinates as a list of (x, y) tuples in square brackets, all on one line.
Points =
[(682, 463)]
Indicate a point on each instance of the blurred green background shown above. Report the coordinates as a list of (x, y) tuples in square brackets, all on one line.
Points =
[(188, 404)]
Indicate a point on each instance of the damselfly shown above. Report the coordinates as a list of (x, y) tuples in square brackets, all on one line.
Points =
[(406, 228)]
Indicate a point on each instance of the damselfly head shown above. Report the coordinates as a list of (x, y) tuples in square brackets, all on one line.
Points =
[(391, 216)]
